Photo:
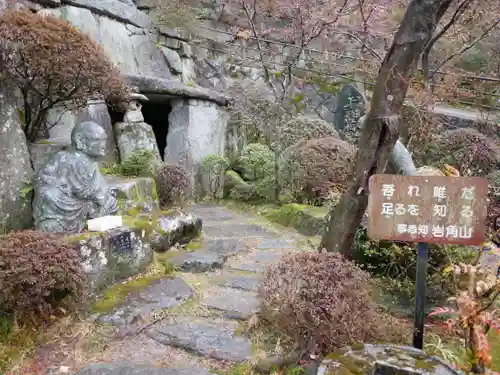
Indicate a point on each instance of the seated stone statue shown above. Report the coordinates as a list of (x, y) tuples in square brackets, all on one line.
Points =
[(70, 189)]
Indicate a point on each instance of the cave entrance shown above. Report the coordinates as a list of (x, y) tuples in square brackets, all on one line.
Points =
[(155, 112)]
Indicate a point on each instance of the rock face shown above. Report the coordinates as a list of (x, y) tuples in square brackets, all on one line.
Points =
[(197, 129), (128, 369), (65, 121), (383, 359), (15, 167), (135, 137)]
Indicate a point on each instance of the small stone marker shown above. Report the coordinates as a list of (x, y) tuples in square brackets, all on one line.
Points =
[(431, 209), (121, 243), (350, 108)]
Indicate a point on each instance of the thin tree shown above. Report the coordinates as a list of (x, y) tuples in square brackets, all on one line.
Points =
[(384, 120)]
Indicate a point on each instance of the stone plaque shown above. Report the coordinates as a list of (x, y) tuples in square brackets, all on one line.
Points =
[(121, 243), (351, 107), (433, 209)]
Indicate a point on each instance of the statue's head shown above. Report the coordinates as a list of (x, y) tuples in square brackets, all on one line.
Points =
[(89, 138)]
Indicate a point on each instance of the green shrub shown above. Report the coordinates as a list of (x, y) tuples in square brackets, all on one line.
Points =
[(396, 262), (38, 272), (256, 162), (139, 164), (171, 183), (213, 169), (322, 301)]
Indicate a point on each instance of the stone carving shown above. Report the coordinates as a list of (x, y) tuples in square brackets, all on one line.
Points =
[(350, 108), (133, 113), (69, 188)]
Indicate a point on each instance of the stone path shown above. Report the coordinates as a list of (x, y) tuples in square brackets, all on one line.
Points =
[(189, 323)]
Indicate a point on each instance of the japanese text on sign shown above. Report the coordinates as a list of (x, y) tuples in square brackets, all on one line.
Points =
[(433, 209)]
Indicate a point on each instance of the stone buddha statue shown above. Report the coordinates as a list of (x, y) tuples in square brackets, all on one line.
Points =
[(69, 188)]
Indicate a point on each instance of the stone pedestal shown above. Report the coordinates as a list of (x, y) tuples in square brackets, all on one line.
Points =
[(111, 256)]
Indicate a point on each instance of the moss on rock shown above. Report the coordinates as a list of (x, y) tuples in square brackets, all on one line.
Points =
[(308, 220)]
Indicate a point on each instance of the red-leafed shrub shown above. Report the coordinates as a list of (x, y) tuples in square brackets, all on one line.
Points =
[(313, 168), (171, 183), (323, 302), (53, 65), (39, 272)]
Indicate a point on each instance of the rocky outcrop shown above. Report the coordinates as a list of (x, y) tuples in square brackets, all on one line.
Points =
[(15, 167)]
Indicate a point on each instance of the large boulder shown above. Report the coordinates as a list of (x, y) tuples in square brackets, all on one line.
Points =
[(136, 137), (16, 172)]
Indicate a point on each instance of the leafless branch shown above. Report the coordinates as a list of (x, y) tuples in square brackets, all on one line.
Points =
[(466, 47)]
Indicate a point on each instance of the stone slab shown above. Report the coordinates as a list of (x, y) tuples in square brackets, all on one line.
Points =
[(236, 303), (240, 230), (198, 261), (204, 338), (160, 295), (275, 244), (211, 212), (224, 246), (136, 369), (256, 262), (172, 87), (250, 283)]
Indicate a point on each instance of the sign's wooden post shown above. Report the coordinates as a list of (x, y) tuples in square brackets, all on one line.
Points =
[(427, 209)]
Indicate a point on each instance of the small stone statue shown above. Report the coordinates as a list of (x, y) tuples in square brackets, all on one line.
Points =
[(133, 113), (70, 189)]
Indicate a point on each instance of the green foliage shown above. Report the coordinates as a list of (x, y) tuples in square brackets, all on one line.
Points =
[(256, 163), (396, 264), (39, 273), (322, 301), (213, 169), (139, 164)]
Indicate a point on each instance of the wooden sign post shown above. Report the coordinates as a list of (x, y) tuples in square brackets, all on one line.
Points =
[(427, 209)]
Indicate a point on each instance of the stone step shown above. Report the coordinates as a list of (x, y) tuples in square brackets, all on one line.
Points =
[(136, 369), (244, 282), (139, 306), (257, 261), (211, 256), (235, 303), (204, 337), (236, 230)]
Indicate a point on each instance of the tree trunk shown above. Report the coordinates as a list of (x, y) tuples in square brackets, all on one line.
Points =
[(383, 122)]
